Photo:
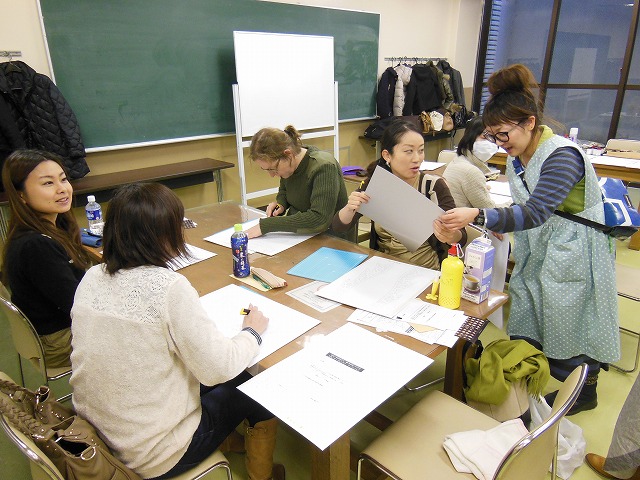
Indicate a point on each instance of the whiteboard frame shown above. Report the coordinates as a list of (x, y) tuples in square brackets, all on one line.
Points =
[(258, 103)]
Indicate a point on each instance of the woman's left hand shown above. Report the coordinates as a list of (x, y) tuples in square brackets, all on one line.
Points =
[(458, 218), (254, 231), (444, 234)]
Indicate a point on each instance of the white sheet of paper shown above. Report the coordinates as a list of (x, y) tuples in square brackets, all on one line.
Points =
[(499, 188), (268, 244), (196, 254), (428, 166), (380, 285), (400, 209), (329, 386), (615, 161), (423, 313), (307, 295), (285, 324)]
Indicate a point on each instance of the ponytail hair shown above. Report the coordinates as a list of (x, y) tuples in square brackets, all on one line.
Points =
[(270, 143), (513, 99)]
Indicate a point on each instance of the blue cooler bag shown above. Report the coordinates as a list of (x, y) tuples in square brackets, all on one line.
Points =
[(620, 218)]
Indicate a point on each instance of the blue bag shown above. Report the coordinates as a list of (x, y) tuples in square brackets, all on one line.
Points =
[(620, 218)]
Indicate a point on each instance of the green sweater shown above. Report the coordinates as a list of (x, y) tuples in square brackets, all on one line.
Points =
[(311, 196)]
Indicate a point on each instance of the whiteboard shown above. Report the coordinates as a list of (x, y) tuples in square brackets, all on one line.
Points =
[(284, 79)]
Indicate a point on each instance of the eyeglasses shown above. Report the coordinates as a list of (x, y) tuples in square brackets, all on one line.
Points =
[(274, 169), (501, 137)]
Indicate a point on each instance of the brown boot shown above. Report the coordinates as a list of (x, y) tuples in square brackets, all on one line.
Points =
[(234, 443), (260, 441), (596, 462)]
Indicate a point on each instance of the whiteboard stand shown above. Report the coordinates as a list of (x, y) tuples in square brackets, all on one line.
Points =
[(244, 141)]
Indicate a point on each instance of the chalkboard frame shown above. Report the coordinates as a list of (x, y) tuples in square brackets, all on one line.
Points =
[(119, 104)]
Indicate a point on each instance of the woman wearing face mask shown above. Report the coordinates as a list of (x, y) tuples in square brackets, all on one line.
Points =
[(465, 174), (563, 289)]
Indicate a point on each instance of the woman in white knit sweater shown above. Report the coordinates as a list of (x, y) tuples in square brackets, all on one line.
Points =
[(465, 174), (150, 369)]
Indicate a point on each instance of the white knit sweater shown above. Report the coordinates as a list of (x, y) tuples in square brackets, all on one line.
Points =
[(467, 183), (142, 344)]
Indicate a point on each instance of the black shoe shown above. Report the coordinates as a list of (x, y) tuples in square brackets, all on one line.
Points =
[(582, 404)]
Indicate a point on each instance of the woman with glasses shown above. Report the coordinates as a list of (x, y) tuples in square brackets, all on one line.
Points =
[(311, 189), (563, 286)]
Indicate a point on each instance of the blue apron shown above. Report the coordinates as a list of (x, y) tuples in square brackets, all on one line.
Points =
[(563, 287)]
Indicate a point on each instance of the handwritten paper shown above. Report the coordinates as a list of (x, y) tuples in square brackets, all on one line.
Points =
[(285, 324), (380, 285)]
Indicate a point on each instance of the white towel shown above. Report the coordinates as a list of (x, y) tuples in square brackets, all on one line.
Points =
[(480, 452)]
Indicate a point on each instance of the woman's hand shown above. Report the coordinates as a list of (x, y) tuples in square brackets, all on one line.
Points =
[(355, 200), (458, 218), (255, 320), (444, 234), (254, 231), (274, 209)]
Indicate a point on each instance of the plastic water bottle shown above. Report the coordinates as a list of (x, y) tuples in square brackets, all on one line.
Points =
[(451, 279), (573, 134), (94, 215), (240, 252)]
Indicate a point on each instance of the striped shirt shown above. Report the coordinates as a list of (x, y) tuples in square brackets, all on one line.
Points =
[(559, 174)]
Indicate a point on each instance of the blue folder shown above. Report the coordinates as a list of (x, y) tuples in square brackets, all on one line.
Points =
[(327, 264)]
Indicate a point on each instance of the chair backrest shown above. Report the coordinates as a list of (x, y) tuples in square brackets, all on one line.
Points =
[(445, 156), (530, 458), (41, 466), (24, 335)]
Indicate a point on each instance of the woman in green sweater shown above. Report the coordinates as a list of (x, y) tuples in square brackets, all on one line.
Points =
[(311, 189)]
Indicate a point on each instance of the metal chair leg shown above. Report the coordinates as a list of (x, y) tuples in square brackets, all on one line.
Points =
[(635, 366)]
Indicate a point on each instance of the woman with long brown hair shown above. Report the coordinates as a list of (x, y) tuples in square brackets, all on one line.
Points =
[(43, 259)]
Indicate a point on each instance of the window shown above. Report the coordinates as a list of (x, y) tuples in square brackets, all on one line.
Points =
[(580, 51)]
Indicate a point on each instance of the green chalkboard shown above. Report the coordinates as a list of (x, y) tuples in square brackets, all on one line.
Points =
[(144, 70)]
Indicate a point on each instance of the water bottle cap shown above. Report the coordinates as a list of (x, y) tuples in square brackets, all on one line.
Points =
[(454, 250), (91, 198), (237, 227)]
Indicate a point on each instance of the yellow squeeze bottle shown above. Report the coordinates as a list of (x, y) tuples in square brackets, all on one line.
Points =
[(451, 279)]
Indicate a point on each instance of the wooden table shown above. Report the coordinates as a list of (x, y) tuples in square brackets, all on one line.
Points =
[(334, 462), (174, 175), (604, 170)]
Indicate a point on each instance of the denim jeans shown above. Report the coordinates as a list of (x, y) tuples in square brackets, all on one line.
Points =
[(223, 408)]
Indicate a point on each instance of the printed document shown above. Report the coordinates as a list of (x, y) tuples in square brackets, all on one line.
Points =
[(400, 209), (285, 324), (268, 244), (380, 285), (333, 383)]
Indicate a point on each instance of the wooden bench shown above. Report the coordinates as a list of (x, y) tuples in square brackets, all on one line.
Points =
[(173, 175)]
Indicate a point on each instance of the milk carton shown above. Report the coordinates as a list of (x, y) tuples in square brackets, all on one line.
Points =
[(478, 266)]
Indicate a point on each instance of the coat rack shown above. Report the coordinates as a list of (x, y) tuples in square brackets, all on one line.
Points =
[(10, 53)]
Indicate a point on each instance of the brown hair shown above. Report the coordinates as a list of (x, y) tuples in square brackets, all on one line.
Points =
[(143, 226), (66, 232), (512, 97), (270, 143)]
